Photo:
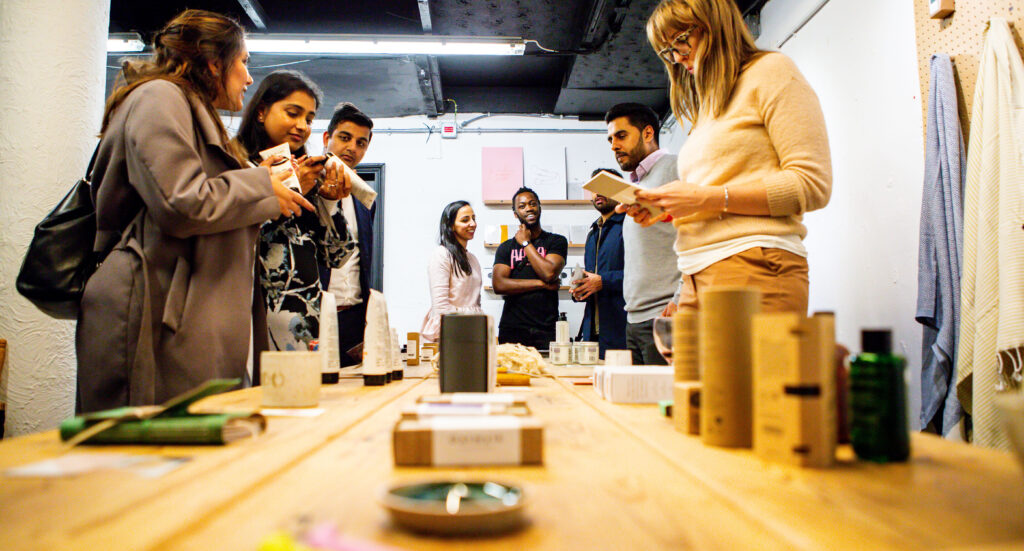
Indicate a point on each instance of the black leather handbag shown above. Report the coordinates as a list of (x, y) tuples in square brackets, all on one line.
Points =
[(60, 257)]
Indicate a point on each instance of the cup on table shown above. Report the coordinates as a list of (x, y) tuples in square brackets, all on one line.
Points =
[(290, 379)]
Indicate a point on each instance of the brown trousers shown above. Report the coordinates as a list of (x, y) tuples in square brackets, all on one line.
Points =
[(780, 275)]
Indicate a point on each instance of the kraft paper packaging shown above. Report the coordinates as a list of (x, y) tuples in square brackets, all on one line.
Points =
[(684, 346), (290, 379), (724, 334), (329, 340), (376, 342)]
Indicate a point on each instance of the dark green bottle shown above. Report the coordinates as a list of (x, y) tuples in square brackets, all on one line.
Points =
[(878, 400)]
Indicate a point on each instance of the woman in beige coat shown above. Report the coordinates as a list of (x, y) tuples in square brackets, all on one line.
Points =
[(173, 303)]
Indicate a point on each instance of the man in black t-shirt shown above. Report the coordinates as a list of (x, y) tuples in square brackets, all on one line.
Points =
[(527, 271)]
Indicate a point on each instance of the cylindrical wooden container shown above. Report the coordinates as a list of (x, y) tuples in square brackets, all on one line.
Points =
[(684, 346), (724, 334)]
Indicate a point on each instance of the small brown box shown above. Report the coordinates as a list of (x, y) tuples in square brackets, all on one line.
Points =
[(794, 389), (940, 9), (505, 398), (412, 349), (436, 409), (686, 407), (468, 441)]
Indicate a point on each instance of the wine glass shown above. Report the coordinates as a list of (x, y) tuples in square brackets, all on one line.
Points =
[(663, 337)]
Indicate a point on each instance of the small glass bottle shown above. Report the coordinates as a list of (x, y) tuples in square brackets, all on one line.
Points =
[(878, 400), (562, 329)]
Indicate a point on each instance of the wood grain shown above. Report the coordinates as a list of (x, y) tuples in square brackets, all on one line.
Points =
[(614, 477)]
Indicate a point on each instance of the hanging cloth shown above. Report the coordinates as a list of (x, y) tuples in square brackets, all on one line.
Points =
[(939, 262), (992, 299)]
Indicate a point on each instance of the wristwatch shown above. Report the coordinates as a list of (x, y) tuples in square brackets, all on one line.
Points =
[(525, 243)]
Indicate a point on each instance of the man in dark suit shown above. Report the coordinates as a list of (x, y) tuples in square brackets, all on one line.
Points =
[(604, 319), (348, 136)]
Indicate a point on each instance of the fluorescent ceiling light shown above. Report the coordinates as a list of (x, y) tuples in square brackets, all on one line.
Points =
[(383, 44), (119, 43)]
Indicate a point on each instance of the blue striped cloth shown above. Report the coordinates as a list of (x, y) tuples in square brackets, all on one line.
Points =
[(941, 246)]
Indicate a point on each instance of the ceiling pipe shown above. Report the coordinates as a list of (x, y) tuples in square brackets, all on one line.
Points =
[(430, 130), (802, 23), (466, 123), (255, 12)]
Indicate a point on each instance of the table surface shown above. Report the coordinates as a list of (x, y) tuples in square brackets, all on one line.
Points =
[(614, 477)]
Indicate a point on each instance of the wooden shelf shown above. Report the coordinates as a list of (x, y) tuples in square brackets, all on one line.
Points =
[(543, 203), (571, 245)]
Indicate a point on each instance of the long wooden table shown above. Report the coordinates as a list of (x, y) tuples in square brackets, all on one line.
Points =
[(614, 477)]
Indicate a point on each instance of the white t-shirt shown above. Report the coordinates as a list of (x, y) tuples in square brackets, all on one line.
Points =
[(345, 280)]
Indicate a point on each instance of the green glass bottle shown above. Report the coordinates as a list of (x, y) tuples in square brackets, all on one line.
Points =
[(878, 400)]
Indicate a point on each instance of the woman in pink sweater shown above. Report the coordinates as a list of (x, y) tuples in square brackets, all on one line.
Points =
[(756, 159), (454, 272)]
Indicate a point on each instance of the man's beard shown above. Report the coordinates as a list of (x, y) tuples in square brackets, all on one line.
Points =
[(633, 157), (529, 226), (606, 207)]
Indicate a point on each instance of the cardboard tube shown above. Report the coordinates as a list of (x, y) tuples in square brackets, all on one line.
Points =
[(724, 334), (684, 346)]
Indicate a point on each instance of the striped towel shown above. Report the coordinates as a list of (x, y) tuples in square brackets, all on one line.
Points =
[(938, 280), (992, 298)]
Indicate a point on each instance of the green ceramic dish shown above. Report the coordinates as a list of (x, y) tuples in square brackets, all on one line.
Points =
[(455, 507)]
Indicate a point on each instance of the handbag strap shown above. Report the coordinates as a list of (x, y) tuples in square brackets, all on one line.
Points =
[(92, 162)]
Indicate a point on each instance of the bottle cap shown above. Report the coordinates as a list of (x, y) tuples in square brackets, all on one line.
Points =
[(876, 341), (561, 316)]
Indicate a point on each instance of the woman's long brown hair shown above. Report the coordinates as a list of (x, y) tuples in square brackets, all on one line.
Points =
[(182, 53)]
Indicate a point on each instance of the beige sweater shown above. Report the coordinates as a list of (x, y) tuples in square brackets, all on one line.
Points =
[(771, 131)]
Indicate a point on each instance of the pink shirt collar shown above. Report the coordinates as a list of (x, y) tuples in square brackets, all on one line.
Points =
[(645, 166)]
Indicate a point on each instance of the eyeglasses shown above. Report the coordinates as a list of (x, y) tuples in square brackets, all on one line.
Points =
[(682, 38)]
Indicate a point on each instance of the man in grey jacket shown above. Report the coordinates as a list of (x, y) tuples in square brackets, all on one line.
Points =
[(650, 276)]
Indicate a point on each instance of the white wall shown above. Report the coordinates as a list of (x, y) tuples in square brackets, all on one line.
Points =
[(861, 58), (45, 141), (423, 175)]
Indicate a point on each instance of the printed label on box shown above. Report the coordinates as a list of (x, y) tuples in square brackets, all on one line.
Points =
[(482, 398), (495, 440)]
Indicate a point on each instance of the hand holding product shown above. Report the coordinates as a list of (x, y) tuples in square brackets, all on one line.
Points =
[(360, 189)]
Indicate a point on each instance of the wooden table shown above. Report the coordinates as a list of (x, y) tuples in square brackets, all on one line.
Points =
[(615, 477)]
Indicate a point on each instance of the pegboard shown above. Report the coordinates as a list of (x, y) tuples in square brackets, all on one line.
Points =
[(962, 36)]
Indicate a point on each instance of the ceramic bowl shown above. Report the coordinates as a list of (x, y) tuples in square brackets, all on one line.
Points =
[(452, 507)]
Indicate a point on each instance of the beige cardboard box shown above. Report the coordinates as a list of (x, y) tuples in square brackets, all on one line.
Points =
[(686, 407), (639, 384), (505, 398), (794, 389), (468, 441), (435, 409)]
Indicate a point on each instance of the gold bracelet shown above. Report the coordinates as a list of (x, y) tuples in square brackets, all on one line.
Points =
[(725, 207)]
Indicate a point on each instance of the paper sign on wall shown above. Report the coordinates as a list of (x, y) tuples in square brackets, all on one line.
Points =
[(545, 172), (502, 172)]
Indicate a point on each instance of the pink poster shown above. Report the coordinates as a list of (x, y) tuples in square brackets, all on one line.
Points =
[(502, 172)]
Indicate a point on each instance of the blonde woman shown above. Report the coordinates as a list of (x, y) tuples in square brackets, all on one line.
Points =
[(756, 159)]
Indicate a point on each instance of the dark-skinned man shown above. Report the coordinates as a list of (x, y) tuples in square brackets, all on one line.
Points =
[(527, 270), (604, 319), (650, 279)]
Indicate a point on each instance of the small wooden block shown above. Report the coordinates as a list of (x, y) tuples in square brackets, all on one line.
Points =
[(686, 407)]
